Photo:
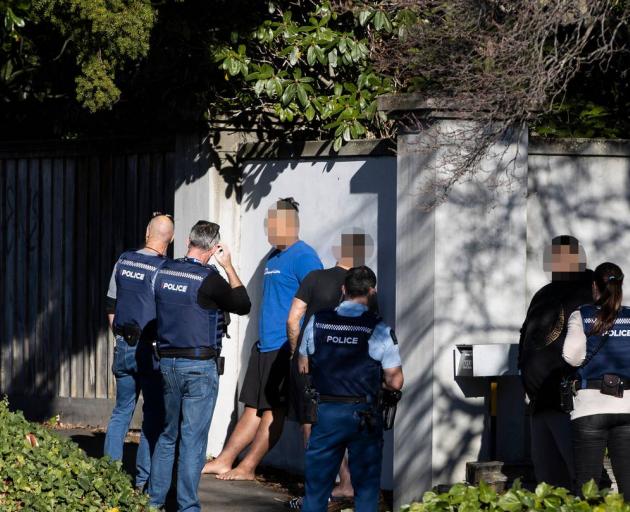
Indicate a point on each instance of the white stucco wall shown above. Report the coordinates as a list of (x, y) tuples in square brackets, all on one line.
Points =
[(334, 196), (462, 273), (580, 189)]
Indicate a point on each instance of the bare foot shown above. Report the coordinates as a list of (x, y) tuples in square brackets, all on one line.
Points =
[(237, 473), (342, 492), (215, 467)]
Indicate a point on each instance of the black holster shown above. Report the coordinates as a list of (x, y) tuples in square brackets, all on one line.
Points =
[(567, 392), (389, 403), (220, 365), (310, 402), (130, 332)]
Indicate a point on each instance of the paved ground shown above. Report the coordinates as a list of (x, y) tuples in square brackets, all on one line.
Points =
[(215, 495)]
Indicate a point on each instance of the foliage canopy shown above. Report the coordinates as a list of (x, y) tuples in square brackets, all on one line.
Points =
[(71, 67)]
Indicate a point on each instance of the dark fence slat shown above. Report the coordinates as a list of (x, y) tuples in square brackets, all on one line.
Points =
[(69, 277), (103, 260), (20, 342), (46, 270), (131, 207), (80, 340), (91, 249), (36, 366), (67, 211), (56, 279), (5, 311)]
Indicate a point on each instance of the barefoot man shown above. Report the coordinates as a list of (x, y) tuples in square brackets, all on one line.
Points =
[(264, 391)]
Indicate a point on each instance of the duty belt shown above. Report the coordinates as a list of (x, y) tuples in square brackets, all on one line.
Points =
[(343, 399), (202, 353), (597, 384)]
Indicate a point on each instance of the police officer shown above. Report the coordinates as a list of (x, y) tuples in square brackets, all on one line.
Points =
[(191, 298), (598, 343), (131, 311), (351, 355)]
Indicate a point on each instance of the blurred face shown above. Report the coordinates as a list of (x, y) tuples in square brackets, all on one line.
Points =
[(564, 259), (282, 227), (355, 249)]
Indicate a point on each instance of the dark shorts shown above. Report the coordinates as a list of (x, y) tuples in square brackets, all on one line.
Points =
[(267, 379)]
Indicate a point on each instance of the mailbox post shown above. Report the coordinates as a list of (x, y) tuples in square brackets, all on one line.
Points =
[(489, 363)]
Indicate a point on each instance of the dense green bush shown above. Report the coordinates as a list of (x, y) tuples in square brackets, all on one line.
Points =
[(466, 498), (40, 471)]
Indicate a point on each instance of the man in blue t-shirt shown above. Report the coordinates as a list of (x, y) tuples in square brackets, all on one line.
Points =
[(265, 387)]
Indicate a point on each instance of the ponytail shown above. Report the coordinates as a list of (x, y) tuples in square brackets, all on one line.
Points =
[(609, 280)]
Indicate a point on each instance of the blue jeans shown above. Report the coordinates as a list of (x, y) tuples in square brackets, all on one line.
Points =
[(135, 371), (190, 393), (339, 426)]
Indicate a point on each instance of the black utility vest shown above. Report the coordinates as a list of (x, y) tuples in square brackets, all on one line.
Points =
[(181, 321), (341, 364), (135, 301)]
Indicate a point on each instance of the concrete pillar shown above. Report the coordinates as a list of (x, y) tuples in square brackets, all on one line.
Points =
[(205, 189), (460, 278)]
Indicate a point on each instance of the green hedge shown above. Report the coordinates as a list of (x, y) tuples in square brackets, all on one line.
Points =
[(466, 498), (55, 474)]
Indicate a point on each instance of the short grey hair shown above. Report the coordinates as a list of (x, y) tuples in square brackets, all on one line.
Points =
[(204, 235)]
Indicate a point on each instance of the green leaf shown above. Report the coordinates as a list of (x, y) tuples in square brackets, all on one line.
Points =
[(294, 56), (332, 58), (288, 94), (338, 143), (259, 87), (233, 66), (387, 24), (510, 502), (364, 17), (302, 96), (542, 490), (277, 86), (590, 491), (311, 56), (309, 113), (343, 46), (379, 20)]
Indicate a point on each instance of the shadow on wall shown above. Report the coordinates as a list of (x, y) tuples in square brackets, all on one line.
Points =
[(484, 267), (327, 207), (596, 190), (254, 289)]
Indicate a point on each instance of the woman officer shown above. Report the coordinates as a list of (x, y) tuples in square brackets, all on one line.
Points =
[(598, 343)]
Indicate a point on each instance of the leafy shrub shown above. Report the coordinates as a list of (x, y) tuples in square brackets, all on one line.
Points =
[(40, 471), (466, 498)]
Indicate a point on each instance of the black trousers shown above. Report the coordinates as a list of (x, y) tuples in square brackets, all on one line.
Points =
[(591, 436)]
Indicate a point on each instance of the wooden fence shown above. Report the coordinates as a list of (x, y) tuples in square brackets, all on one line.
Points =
[(66, 212)]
